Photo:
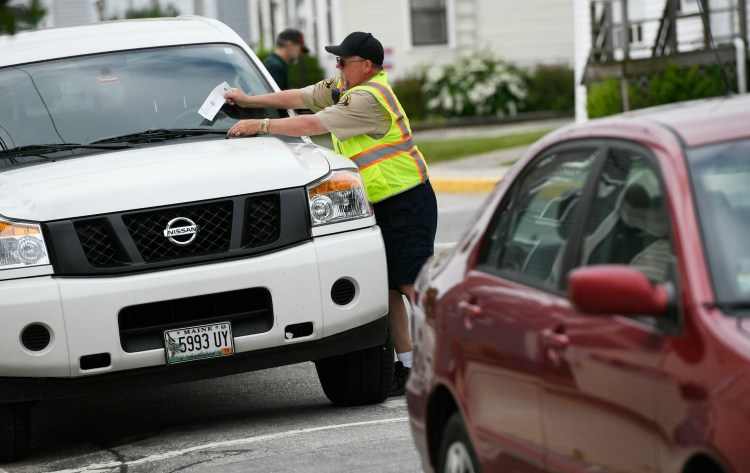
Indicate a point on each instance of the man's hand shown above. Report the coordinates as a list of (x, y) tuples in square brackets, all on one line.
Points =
[(244, 128), (236, 97)]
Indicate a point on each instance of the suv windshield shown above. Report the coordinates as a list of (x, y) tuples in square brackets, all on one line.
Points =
[(720, 174), (90, 98)]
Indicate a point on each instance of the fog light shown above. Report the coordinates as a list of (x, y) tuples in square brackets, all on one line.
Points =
[(343, 292), (322, 209), (30, 250), (35, 337)]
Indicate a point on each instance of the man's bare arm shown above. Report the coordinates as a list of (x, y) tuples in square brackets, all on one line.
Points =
[(285, 99), (300, 125)]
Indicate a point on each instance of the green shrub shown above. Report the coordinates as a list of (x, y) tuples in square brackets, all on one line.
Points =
[(477, 84), (551, 87), (604, 98), (673, 84), (308, 71), (677, 84), (412, 98)]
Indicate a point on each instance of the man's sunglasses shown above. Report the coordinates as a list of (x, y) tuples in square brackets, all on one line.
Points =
[(343, 62)]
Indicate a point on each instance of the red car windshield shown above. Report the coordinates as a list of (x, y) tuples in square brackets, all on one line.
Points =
[(721, 184)]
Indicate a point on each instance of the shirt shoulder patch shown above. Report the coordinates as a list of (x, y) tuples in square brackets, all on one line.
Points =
[(329, 83), (345, 101)]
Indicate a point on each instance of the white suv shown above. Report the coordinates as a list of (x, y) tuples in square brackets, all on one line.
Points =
[(139, 245)]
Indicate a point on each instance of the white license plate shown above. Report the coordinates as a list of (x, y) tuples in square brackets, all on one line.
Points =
[(199, 342)]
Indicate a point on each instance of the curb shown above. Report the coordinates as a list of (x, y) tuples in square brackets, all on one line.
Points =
[(469, 185)]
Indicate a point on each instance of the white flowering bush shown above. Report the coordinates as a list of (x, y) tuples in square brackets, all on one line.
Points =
[(477, 84)]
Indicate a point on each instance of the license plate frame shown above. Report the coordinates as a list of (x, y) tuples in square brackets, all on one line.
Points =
[(198, 342)]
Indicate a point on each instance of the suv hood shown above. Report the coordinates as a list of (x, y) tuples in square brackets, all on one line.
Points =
[(157, 175)]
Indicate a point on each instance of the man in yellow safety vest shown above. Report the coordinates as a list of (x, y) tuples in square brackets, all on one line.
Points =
[(369, 126)]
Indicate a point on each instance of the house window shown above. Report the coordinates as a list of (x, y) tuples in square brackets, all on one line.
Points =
[(429, 22), (636, 33)]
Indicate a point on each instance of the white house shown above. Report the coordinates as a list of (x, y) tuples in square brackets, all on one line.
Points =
[(422, 32), (413, 32)]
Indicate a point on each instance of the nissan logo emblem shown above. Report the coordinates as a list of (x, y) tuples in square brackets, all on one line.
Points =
[(181, 231)]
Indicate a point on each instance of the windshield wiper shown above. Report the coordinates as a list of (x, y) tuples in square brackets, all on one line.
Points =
[(36, 150), (160, 134)]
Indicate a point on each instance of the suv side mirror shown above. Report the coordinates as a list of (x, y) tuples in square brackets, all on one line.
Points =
[(616, 289)]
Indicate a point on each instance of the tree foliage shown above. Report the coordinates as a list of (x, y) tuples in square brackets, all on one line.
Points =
[(20, 17)]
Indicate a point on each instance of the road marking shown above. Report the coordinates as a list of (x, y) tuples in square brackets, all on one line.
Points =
[(227, 443)]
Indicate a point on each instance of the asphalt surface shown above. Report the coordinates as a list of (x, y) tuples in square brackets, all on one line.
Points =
[(276, 420), (479, 173)]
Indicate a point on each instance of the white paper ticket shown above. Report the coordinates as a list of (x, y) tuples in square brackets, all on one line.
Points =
[(214, 101)]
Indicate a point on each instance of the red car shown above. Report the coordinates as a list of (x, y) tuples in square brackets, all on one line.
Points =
[(594, 317)]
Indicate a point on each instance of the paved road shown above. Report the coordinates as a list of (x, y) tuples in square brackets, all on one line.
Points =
[(267, 421)]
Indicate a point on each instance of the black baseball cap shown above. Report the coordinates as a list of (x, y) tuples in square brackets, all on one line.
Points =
[(359, 44), (291, 34)]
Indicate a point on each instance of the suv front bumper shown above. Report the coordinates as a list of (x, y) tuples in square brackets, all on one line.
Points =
[(81, 314)]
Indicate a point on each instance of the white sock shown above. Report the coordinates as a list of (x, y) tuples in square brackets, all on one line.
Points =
[(406, 358)]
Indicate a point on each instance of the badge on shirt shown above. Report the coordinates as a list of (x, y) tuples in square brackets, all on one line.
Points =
[(345, 101)]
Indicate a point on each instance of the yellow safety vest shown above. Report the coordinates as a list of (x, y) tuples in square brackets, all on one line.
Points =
[(392, 164)]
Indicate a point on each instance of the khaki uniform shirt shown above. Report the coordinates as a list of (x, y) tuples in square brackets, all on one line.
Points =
[(358, 114)]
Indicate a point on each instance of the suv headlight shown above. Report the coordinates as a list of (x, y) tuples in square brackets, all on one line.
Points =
[(21, 245), (337, 198)]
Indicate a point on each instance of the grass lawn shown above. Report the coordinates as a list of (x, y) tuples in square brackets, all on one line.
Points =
[(445, 150)]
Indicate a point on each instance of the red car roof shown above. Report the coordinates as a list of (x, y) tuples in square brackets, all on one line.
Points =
[(697, 122)]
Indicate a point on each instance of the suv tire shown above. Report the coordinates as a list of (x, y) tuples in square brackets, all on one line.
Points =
[(15, 427), (358, 378)]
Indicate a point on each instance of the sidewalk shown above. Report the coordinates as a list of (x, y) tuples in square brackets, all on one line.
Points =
[(479, 173)]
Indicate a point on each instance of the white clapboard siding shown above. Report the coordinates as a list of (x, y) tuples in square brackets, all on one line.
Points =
[(236, 15), (524, 32), (528, 32)]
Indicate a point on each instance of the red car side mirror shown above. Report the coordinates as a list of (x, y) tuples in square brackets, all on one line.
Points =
[(616, 289)]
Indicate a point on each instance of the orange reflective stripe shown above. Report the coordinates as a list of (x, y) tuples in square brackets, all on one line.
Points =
[(374, 154), (384, 145), (372, 163), (419, 162), (393, 105)]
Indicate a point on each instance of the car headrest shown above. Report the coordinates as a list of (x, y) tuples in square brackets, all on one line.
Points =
[(640, 210)]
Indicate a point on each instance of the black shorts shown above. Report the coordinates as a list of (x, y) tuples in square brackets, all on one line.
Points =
[(408, 222)]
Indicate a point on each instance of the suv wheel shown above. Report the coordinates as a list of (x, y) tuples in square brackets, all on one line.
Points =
[(360, 377), (15, 425), (456, 452)]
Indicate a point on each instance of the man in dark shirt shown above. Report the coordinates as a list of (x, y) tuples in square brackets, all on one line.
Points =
[(290, 45)]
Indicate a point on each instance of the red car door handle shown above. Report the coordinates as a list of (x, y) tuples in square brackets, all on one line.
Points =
[(472, 310), (554, 339)]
